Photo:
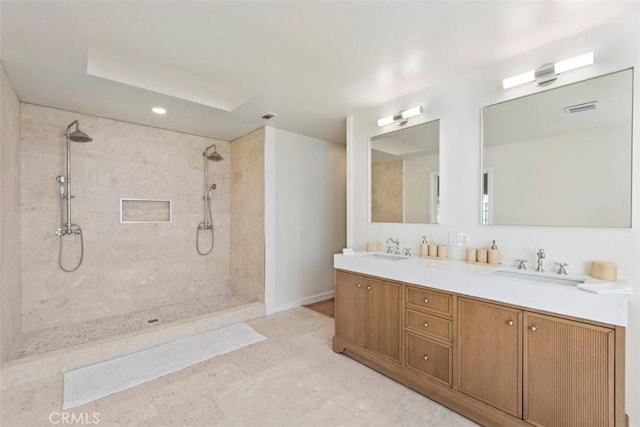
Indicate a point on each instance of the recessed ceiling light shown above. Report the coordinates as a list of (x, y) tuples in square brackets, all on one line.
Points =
[(159, 110)]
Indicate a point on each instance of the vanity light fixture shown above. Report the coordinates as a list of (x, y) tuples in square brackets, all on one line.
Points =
[(402, 117), (547, 73), (159, 110)]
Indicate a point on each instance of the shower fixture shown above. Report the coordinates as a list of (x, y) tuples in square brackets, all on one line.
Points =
[(207, 220), (66, 226)]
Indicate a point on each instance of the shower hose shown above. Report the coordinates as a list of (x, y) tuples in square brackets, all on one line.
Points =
[(75, 229), (204, 225)]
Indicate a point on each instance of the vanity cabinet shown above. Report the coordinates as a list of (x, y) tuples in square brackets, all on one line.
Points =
[(368, 313), (548, 370), (349, 307), (382, 302), (568, 372), (495, 363), (489, 353)]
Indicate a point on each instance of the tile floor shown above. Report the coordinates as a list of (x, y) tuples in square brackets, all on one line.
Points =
[(292, 378)]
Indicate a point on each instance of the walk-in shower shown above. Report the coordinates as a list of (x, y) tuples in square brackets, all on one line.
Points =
[(207, 220), (66, 226)]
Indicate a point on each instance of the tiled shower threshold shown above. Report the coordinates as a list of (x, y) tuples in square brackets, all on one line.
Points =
[(175, 321), (52, 339)]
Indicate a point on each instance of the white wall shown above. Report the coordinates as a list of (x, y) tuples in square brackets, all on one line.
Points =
[(458, 103), (310, 209)]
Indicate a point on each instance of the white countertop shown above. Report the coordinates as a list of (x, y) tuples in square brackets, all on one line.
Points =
[(474, 280)]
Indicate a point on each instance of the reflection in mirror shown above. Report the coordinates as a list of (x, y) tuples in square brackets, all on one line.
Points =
[(560, 157), (405, 178)]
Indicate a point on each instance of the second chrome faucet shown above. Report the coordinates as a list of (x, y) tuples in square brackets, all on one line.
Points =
[(541, 256)]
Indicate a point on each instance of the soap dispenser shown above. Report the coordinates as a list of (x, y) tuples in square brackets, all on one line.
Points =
[(494, 255), (424, 247)]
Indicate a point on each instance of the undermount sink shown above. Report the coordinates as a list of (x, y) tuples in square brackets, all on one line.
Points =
[(387, 257), (537, 277)]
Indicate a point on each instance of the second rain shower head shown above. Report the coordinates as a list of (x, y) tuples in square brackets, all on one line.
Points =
[(214, 155), (77, 135)]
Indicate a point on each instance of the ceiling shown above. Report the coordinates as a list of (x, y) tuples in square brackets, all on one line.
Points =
[(217, 67)]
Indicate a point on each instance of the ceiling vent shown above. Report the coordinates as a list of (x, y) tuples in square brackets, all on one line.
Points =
[(269, 116), (579, 108)]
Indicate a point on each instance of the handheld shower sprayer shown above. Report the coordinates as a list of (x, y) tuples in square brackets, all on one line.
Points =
[(60, 179)]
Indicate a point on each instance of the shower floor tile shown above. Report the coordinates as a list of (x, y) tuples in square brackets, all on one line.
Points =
[(52, 339)]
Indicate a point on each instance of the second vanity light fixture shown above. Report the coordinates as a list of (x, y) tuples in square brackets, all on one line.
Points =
[(402, 117), (547, 73)]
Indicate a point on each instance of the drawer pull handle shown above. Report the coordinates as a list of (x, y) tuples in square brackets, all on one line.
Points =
[(426, 324), (426, 357), (359, 285), (533, 328), (510, 323), (426, 300), (369, 287)]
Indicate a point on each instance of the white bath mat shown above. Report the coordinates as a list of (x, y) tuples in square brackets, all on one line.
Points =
[(96, 381)]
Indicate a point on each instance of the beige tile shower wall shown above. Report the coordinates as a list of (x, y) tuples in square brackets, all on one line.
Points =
[(386, 192), (247, 216), (10, 293), (127, 267)]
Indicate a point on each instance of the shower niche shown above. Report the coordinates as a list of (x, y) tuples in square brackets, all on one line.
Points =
[(134, 211)]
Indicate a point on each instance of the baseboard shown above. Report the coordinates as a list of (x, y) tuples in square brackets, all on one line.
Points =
[(305, 301)]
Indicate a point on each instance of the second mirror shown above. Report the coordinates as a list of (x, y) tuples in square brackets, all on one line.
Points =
[(405, 177)]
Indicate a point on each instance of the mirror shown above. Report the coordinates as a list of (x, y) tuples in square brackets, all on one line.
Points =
[(560, 157), (404, 173)]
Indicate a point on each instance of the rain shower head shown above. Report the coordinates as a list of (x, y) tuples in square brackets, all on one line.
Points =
[(215, 156), (77, 135)]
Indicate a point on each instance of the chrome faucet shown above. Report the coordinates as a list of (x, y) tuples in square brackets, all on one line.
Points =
[(521, 264), (396, 243), (561, 267), (541, 256)]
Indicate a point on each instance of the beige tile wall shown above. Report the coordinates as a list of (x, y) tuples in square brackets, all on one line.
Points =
[(247, 215), (386, 192), (126, 267), (10, 292)]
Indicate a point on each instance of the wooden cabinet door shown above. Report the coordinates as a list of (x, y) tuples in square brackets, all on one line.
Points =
[(489, 354), (383, 318), (349, 307), (568, 373)]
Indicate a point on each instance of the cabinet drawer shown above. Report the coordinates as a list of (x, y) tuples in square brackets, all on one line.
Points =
[(426, 299), (429, 358), (428, 324)]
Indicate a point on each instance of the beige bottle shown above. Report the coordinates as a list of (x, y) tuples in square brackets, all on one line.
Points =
[(424, 247), (494, 254)]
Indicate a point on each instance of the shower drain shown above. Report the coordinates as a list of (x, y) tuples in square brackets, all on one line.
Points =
[(152, 320)]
